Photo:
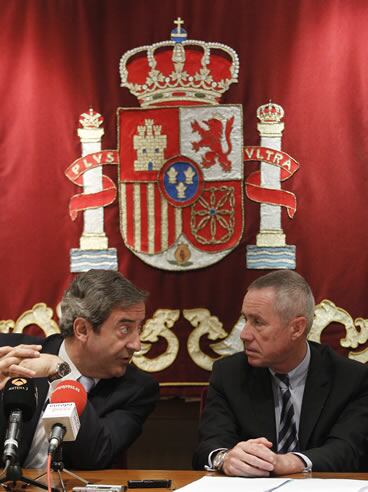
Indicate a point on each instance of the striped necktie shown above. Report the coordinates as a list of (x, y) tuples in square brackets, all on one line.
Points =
[(288, 436)]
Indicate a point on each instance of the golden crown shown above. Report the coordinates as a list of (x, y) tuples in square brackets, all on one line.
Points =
[(179, 71), (270, 113)]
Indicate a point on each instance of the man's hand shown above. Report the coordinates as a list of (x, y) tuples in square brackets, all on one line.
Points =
[(288, 463), (43, 366), (252, 458), (12, 357), (26, 361)]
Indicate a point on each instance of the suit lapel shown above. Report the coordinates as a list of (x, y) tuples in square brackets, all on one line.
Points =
[(317, 388), (102, 393), (262, 401)]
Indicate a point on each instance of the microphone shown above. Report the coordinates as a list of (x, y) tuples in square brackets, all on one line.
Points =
[(61, 417), (19, 402)]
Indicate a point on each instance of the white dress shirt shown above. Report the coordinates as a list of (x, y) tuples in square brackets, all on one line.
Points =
[(37, 456)]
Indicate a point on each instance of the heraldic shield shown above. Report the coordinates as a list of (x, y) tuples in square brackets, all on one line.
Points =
[(181, 183)]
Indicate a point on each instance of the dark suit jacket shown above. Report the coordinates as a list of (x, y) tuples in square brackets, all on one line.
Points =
[(333, 427), (111, 421)]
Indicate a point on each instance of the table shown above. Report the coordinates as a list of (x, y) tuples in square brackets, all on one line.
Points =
[(179, 477), (117, 477)]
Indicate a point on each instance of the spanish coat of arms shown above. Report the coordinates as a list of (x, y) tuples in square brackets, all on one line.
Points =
[(181, 162), (181, 165)]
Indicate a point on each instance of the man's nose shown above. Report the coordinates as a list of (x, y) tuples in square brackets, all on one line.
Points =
[(134, 343), (246, 333)]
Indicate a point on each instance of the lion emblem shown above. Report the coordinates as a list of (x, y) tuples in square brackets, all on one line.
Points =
[(213, 133)]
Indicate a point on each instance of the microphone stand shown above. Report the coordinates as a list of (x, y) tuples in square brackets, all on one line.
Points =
[(57, 465), (14, 474)]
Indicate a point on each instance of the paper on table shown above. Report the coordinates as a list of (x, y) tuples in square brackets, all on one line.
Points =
[(232, 484), (236, 484)]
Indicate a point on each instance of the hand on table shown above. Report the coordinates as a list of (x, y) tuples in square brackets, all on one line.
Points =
[(288, 463), (252, 458)]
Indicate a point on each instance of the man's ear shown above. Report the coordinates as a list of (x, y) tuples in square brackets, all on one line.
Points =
[(298, 327), (81, 328)]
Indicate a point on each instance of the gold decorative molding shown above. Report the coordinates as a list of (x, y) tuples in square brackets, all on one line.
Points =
[(204, 324), (158, 326), (327, 312), (232, 343), (40, 315), (6, 326)]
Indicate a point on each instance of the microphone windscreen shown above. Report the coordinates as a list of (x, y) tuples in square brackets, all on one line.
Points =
[(20, 394), (69, 391)]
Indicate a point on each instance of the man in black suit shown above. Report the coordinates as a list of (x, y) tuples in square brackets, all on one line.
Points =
[(102, 316), (256, 421)]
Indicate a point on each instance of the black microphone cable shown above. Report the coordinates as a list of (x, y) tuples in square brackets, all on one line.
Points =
[(5, 470)]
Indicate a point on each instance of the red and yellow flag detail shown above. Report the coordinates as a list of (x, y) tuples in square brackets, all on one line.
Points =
[(84, 201)]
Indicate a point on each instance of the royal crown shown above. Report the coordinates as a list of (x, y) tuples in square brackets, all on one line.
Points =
[(270, 113), (179, 71), (92, 119)]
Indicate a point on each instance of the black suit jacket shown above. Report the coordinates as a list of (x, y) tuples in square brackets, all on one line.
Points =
[(111, 421), (333, 426)]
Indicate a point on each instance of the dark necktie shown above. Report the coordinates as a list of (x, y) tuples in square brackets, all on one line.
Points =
[(288, 436)]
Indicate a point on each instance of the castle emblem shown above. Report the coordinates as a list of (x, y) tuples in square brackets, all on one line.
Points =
[(150, 146)]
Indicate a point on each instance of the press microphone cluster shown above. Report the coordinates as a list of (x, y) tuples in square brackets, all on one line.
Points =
[(61, 417), (19, 402)]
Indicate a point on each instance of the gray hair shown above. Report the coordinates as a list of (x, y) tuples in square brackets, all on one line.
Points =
[(294, 296), (93, 295)]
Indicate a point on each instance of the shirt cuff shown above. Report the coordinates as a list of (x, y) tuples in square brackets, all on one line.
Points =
[(307, 462), (212, 454)]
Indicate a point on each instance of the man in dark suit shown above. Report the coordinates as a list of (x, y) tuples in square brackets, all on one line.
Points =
[(102, 316), (285, 405)]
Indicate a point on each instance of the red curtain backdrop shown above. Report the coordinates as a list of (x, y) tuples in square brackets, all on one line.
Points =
[(59, 57)]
